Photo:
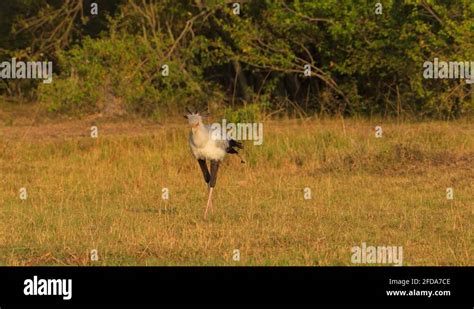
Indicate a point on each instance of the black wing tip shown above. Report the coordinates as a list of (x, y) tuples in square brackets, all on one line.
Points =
[(234, 143), (231, 150)]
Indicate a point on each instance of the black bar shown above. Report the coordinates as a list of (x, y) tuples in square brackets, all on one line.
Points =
[(240, 285)]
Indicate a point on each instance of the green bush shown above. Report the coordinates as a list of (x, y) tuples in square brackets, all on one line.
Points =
[(245, 114), (124, 67), (362, 63)]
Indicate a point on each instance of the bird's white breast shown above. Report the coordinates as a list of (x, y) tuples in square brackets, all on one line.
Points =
[(203, 146)]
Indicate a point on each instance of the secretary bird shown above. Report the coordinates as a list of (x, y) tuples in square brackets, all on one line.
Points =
[(205, 146)]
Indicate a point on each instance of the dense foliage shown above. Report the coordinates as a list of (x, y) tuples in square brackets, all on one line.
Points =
[(362, 63)]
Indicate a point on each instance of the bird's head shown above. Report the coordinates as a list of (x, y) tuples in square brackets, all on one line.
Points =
[(194, 118)]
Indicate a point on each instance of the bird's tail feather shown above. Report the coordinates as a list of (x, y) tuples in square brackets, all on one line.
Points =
[(234, 143), (231, 149)]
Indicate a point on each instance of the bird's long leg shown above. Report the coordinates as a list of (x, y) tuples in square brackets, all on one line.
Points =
[(205, 171), (209, 202), (212, 184)]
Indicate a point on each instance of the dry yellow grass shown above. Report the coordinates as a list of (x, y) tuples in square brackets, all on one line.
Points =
[(105, 194)]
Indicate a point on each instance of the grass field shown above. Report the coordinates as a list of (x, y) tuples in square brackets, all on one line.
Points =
[(106, 194)]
